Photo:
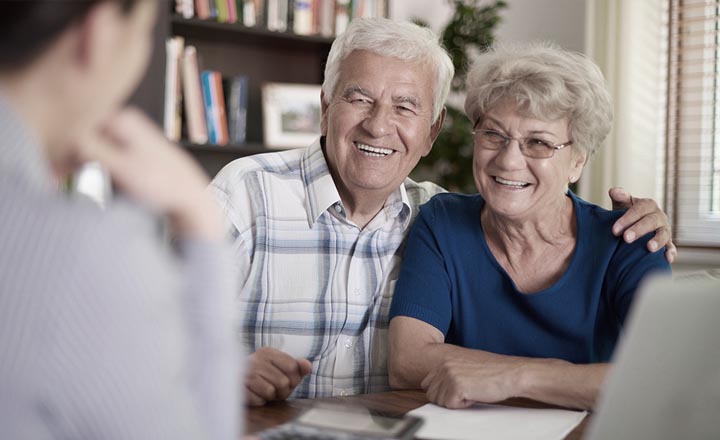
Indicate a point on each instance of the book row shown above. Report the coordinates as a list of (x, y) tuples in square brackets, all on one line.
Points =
[(303, 17), (214, 109)]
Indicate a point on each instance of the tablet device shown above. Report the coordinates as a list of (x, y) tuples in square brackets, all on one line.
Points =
[(327, 421)]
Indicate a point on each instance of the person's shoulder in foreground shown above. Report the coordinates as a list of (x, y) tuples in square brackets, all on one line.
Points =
[(106, 333), (89, 300)]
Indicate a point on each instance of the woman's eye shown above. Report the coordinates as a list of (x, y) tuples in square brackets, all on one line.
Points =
[(538, 143), (494, 136)]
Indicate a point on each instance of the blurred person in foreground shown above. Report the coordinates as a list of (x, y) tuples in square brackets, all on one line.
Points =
[(319, 232), (520, 290), (104, 331)]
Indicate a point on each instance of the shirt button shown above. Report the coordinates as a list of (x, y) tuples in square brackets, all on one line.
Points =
[(338, 208), (348, 343)]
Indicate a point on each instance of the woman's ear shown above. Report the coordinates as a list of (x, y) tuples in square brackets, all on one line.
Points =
[(577, 164)]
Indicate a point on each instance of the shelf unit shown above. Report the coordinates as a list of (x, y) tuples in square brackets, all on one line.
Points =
[(234, 49)]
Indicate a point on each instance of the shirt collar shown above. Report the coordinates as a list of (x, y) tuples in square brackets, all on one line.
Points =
[(21, 154), (322, 194), (320, 190)]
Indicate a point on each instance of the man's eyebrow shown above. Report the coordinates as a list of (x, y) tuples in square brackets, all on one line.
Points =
[(407, 99), (355, 89)]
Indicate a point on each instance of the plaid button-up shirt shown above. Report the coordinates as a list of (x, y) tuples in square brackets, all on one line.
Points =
[(314, 285)]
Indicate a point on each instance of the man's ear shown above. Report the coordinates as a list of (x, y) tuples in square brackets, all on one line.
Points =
[(323, 114), (435, 129), (96, 32)]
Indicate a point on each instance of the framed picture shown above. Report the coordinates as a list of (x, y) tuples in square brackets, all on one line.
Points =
[(291, 114)]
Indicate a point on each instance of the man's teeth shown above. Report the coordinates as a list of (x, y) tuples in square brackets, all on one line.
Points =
[(511, 182), (373, 151)]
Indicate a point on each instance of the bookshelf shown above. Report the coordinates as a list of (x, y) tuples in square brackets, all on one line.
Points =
[(259, 54), (233, 49)]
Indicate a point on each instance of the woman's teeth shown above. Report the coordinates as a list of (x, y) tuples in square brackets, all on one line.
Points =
[(513, 183)]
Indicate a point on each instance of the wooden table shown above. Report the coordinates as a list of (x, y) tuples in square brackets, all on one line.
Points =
[(392, 403)]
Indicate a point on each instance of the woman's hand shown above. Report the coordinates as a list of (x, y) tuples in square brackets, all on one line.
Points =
[(459, 383)]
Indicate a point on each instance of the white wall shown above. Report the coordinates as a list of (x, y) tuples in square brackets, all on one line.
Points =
[(561, 21)]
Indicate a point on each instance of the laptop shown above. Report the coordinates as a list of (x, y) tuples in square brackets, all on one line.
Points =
[(665, 382)]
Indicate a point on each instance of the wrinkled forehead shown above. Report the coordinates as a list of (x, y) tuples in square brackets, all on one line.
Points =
[(370, 70), (524, 107)]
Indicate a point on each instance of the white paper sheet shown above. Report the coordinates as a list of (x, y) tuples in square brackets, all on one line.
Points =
[(496, 422)]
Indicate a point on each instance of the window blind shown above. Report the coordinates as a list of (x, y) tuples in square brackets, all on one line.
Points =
[(693, 122)]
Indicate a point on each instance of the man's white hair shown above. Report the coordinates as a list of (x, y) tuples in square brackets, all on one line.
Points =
[(402, 40)]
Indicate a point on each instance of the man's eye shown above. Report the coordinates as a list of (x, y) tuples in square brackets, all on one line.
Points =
[(360, 101), (405, 109)]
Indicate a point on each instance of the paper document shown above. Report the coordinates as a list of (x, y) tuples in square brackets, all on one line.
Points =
[(495, 422)]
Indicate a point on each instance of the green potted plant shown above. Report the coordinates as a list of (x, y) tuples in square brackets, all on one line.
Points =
[(470, 30)]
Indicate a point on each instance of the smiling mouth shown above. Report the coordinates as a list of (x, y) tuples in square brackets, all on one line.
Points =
[(373, 151), (510, 183)]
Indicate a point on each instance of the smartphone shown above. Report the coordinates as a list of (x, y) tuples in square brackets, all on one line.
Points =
[(337, 421)]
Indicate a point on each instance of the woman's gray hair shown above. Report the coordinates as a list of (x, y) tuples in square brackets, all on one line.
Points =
[(548, 83), (402, 40)]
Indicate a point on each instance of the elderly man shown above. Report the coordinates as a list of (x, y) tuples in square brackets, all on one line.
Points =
[(318, 232)]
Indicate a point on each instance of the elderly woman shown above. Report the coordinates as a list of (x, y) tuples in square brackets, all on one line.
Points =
[(520, 290)]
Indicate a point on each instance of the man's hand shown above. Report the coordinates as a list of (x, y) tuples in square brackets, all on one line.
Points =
[(642, 217), (273, 375), (154, 172)]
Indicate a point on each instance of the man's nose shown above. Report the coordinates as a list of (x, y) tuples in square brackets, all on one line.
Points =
[(378, 121)]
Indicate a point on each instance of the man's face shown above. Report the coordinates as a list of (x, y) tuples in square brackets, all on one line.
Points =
[(378, 123), (131, 48)]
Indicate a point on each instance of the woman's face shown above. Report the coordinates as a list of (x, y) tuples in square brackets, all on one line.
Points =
[(520, 187)]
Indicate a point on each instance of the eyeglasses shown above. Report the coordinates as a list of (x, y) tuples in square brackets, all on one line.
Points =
[(529, 147)]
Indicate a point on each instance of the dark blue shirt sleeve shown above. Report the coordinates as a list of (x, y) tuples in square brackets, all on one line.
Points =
[(628, 267), (423, 288)]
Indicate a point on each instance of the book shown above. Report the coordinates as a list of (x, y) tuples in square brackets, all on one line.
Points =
[(213, 9), (172, 120), (302, 17), (221, 114), (237, 103), (254, 12), (197, 131), (248, 13), (202, 9), (327, 18), (214, 107), (315, 6), (342, 16), (206, 82), (277, 15), (222, 11), (232, 11)]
